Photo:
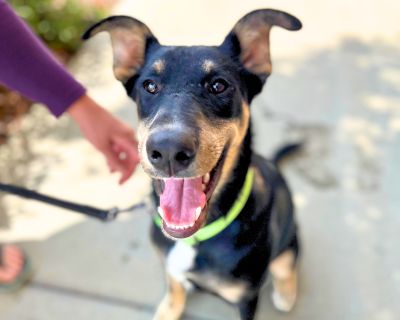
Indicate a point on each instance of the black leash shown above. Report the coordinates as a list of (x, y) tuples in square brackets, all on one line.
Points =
[(104, 215)]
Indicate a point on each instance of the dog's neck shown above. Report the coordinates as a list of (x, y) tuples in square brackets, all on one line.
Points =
[(225, 200)]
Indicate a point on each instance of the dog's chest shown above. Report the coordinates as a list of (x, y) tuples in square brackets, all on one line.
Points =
[(181, 265)]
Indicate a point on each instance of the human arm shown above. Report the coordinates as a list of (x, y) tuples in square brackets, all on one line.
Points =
[(27, 66), (113, 138)]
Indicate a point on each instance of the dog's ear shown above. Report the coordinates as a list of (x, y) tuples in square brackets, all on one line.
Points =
[(130, 39), (249, 39)]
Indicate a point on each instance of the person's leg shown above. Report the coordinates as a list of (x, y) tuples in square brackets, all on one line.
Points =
[(14, 267)]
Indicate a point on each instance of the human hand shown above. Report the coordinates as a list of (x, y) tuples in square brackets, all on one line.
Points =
[(112, 137)]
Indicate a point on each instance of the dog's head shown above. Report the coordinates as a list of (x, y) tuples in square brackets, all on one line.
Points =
[(193, 106)]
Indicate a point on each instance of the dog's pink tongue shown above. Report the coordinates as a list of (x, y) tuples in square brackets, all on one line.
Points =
[(180, 199)]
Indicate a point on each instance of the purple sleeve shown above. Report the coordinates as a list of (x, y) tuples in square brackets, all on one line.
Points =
[(27, 66)]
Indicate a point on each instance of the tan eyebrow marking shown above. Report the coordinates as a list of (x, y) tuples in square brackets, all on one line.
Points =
[(159, 66), (208, 65)]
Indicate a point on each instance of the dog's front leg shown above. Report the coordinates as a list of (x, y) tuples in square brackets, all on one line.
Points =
[(247, 308), (173, 303), (284, 280)]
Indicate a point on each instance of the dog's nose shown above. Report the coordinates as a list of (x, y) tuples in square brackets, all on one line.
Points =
[(171, 151)]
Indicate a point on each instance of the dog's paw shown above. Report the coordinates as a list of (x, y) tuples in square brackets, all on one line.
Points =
[(164, 313), (165, 316), (284, 281), (283, 303), (168, 310)]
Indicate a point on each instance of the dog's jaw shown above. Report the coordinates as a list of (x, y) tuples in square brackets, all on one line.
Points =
[(185, 229), (213, 181)]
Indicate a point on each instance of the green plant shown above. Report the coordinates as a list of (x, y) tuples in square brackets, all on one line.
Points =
[(59, 23)]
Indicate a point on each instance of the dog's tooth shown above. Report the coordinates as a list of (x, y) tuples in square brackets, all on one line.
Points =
[(183, 227), (206, 178), (198, 211), (160, 212)]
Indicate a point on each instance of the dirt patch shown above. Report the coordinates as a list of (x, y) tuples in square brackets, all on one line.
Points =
[(12, 107)]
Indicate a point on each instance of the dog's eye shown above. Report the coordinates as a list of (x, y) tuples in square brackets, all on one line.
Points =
[(217, 86), (150, 86)]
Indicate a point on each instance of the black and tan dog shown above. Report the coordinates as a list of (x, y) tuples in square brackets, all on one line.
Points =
[(226, 213)]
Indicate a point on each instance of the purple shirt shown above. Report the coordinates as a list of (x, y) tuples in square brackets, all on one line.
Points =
[(27, 66)]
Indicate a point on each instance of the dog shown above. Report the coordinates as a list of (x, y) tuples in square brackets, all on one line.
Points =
[(226, 218)]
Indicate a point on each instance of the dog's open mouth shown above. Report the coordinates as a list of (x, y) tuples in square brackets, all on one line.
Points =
[(183, 201)]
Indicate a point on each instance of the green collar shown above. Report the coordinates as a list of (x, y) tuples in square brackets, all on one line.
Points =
[(220, 224)]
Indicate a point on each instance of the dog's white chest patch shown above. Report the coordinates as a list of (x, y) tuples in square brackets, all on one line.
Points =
[(179, 261)]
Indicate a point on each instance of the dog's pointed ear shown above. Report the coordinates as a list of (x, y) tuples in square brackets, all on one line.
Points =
[(130, 39), (249, 39)]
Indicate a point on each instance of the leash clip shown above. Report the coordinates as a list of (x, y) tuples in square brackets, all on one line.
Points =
[(111, 214)]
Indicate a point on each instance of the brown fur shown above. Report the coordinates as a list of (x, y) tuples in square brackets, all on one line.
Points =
[(208, 65), (284, 281), (253, 33), (240, 130), (159, 66), (173, 304), (213, 139), (254, 39), (128, 37)]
